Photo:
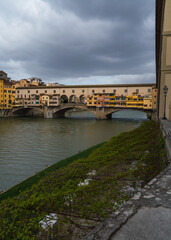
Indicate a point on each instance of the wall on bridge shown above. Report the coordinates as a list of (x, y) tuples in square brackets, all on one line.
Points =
[(88, 90)]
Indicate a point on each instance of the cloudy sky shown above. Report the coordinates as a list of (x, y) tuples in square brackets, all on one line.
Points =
[(78, 41)]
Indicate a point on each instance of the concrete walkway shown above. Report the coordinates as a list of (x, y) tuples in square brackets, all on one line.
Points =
[(147, 216)]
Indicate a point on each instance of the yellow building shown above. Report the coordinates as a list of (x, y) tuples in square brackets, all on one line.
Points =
[(134, 101), (50, 100), (147, 103), (137, 101), (7, 92), (44, 99), (22, 83), (154, 98), (1, 90)]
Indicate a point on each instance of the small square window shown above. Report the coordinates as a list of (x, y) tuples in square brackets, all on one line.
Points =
[(114, 90), (45, 91), (125, 90), (63, 91), (73, 91), (93, 91), (82, 91), (103, 91), (54, 91)]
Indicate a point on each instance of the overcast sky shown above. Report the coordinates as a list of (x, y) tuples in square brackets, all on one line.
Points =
[(78, 41)]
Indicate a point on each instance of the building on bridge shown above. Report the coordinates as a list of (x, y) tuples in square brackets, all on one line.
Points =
[(135, 101), (79, 93), (49, 100), (163, 56)]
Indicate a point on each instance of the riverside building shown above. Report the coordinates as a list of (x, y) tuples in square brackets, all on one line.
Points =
[(146, 101), (7, 92)]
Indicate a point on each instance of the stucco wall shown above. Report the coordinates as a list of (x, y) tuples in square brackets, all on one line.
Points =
[(165, 78), (86, 91)]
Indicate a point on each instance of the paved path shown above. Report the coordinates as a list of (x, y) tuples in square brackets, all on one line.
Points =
[(147, 216)]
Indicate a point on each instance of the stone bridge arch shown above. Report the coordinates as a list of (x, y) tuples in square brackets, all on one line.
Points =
[(149, 113), (60, 112), (28, 111)]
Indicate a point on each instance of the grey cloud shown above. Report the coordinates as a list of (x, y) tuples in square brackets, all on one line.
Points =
[(66, 39)]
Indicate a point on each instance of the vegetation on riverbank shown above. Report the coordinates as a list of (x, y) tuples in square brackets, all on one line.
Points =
[(83, 193)]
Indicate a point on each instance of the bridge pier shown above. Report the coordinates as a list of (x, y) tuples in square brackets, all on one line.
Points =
[(101, 114), (152, 115)]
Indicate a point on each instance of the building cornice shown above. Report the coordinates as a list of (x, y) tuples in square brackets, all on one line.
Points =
[(90, 86)]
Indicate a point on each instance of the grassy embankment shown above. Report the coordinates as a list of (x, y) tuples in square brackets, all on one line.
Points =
[(125, 163), (26, 184)]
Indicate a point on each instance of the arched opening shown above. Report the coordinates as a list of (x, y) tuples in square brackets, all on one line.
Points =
[(61, 113), (64, 99), (28, 112), (73, 99), (83, 99), (129, 114)]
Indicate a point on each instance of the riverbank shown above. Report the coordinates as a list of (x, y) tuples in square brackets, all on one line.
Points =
[(84, 193), (26, 184)]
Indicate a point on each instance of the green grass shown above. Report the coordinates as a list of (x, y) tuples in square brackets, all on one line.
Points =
[(123, 164)]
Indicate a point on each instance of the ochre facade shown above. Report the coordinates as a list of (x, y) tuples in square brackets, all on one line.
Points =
[(136, 100), (7, 92)]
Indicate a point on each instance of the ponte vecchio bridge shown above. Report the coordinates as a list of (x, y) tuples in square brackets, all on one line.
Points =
[(54, 101)]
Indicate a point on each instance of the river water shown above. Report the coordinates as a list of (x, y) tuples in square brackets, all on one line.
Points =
[(29, 145)]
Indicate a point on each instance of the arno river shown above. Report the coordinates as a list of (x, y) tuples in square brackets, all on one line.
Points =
[(29, 145)]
